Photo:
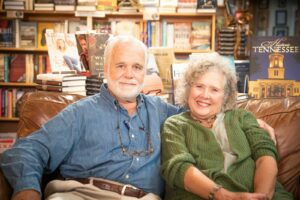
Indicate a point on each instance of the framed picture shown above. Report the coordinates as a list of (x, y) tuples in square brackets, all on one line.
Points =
[(281, 17), (281, 31), (263, 4)]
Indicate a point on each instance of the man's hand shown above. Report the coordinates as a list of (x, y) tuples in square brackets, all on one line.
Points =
[(268, 128), (27, 195)]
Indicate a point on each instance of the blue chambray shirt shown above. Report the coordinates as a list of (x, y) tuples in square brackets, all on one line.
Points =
[(83, 141)]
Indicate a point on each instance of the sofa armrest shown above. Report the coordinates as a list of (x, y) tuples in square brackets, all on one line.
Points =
[(5, 189)]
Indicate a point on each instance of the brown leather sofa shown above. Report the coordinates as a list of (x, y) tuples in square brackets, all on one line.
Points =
[(281, 113)]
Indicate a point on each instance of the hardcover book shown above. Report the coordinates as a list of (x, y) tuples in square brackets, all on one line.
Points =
[(164, 57), (17, 70), (274, 67), (96, 45), (60, 77), (61, 88), (61, 83)]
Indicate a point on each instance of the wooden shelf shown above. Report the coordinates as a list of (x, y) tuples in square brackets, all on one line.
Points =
[(13, 84), (22, 50), (11, 119)]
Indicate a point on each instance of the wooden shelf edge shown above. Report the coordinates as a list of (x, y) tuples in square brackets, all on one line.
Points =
[(11, 84), (12, 119), (22, 49)]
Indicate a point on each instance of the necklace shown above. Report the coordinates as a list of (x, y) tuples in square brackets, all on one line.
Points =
[(208, 123), (141, 153)]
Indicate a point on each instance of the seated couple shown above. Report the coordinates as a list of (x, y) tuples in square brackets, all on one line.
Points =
[(108, 146)]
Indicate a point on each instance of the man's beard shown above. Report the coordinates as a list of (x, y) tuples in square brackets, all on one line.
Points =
[(124, 94)]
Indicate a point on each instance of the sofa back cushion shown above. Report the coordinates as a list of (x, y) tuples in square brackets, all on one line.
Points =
[(283, 114), (36, 108)]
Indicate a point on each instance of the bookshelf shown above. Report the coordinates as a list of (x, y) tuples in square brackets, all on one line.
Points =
[(91, 19)]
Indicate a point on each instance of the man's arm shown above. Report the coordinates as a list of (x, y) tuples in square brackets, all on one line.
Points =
[(265, 175), (27, 195), (268, 128)]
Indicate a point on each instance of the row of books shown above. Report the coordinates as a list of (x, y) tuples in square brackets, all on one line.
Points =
[(182, 35), (26, 34), (23, 67), (8, 101), (111, 5)]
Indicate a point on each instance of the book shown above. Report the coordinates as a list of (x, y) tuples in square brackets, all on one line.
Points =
[(64, 7), (62, 83), (106, 5), (6, 33), (61, 88), (187, 6), (164, 58), (167, 6), (82, 46), (17, 69), (182, 35), (200, 35), (274, 67), (96, 45), (153, 84), (76, 26), (42, 27), (177, 70), (60, 77), (63, 53), (28, 34), (127, 6)]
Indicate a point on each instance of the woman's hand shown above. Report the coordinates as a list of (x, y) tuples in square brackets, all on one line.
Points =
[(224, 194), (268, 128)]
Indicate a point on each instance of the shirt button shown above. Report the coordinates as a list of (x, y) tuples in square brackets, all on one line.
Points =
[(137, 159), (127, 176), (132, 136)]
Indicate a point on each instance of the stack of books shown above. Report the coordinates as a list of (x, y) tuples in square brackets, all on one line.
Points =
[(241, 47), (93, 84), (67, 83), (14, 5), (226, 41)]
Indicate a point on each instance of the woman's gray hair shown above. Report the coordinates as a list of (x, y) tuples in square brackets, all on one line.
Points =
[(198, 67), (113, 41)]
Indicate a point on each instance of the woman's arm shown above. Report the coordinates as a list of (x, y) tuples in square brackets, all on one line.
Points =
[(265, 175), (197, 183)]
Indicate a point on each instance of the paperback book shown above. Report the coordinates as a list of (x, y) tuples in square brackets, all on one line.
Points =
[(274, 67)]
